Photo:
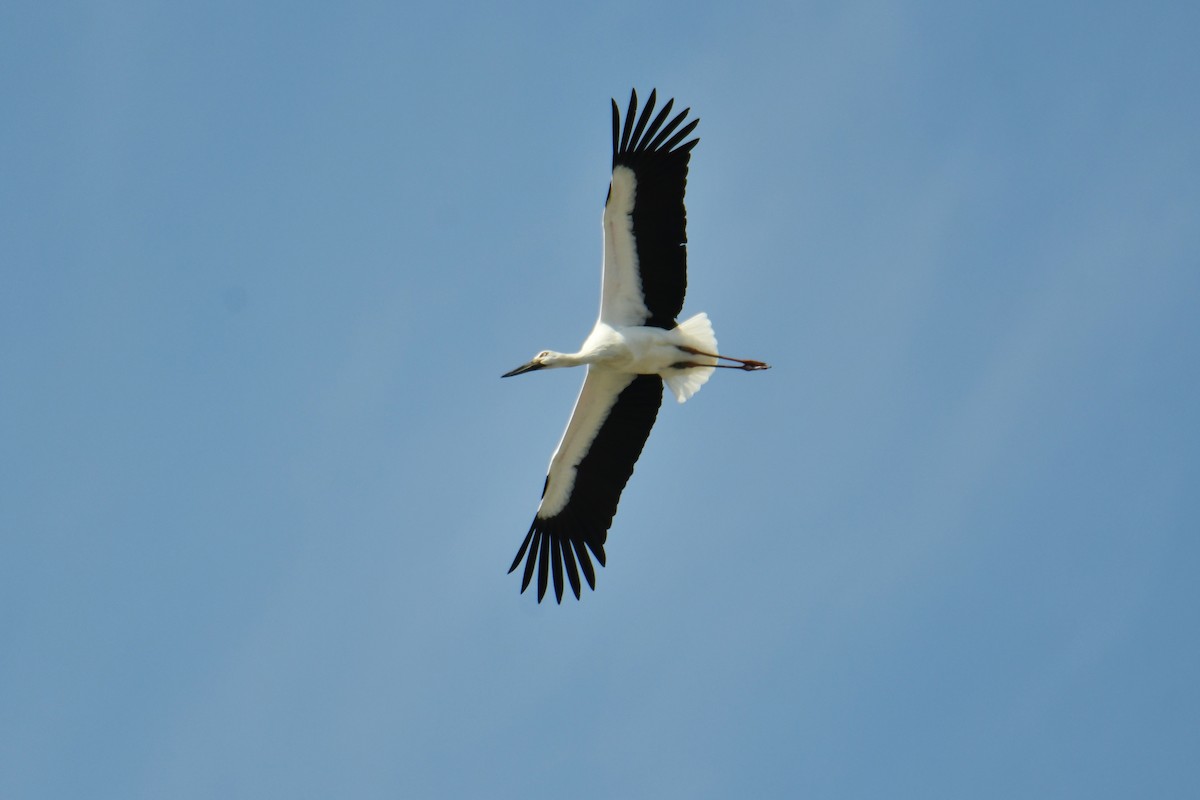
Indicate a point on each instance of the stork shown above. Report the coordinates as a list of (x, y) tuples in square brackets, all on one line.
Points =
[(633, 349)]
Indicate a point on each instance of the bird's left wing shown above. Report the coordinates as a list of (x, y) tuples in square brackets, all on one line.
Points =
[(645, 224), (607, 431)]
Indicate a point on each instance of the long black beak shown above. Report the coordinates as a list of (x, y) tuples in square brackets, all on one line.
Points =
[(530, 367)]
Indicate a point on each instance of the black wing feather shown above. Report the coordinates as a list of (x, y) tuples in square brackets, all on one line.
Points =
[(582, 524), (568, 556), (660, 164)]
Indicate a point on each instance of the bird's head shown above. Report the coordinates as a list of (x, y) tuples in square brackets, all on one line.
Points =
[(543, 360)]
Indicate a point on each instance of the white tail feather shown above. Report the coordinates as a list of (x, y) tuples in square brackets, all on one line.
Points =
[(696, 332)]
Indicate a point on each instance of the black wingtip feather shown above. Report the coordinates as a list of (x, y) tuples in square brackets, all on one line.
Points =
[(585, 563), (629, 117), (543, 566), (616, 126), (641, 134), (652, 131), (657, 142), (556, 559), (531, 562), (521, 552), (679, 137), (644, 118), (551, 555), (568, 557)]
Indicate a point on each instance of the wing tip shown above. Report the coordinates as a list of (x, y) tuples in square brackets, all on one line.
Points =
[(552, 555), (651, 136)]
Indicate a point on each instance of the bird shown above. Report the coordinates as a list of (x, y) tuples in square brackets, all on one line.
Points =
[(634, 348)]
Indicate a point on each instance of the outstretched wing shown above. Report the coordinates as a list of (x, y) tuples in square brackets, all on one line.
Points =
[(645, 223), (608, 428)]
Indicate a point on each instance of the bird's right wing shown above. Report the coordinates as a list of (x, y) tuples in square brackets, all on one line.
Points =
[(645, 223), (607, 431)]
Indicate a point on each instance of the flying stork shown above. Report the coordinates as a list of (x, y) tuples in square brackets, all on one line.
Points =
[(634, 347)]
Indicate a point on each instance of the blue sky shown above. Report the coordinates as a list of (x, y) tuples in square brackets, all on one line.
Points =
[(263, 264)]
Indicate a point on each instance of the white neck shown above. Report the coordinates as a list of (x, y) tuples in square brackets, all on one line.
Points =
[(555, 360)]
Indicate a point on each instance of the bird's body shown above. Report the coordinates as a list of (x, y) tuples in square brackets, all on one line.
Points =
[(646, 350), (634, 347)]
